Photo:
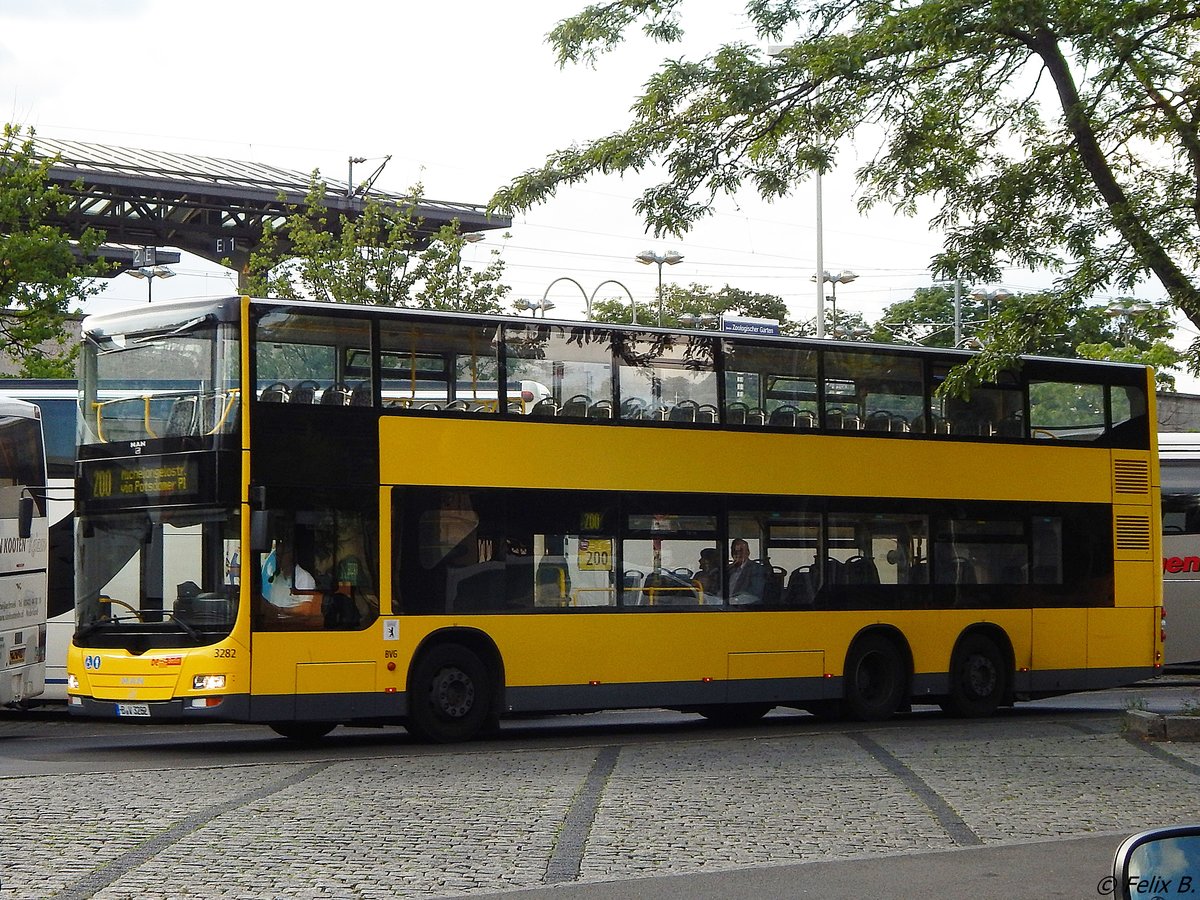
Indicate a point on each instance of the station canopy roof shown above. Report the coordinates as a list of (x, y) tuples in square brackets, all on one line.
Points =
[(212, 207)]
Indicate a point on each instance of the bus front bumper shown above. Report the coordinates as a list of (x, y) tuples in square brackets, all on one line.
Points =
[(226, 708)]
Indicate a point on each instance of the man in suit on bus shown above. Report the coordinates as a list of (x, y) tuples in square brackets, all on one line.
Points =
[(747, 577)]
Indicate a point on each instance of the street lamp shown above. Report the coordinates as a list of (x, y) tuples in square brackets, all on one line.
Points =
[(701, 320), (986, 297), (854, 332), (671, 257), (471, 237), (1123, 312), (834, 279), (534, 305), (150, 273), (782, 51)]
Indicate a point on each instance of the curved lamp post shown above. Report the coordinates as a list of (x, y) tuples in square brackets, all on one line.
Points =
[(546, 293), (671, 257), (632, 302)]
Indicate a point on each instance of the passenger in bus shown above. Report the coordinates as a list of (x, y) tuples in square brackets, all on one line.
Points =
[(708, 575), (747, 577)]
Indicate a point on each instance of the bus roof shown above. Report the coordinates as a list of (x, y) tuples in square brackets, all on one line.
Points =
[(11, 406), (226, 308), (1178, 443)]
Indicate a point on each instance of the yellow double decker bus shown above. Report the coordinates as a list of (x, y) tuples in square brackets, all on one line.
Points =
[(308, 515)]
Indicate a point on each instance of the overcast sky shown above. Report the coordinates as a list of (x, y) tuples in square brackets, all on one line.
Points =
[(463, 96)]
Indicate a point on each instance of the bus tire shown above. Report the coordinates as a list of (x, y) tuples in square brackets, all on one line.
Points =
[(449, 695), (734, 714), (978, 679), (303, 731), (824, 710), (874, 680)]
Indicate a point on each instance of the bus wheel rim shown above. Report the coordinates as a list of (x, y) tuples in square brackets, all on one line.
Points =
[(452, 692), (981, 676), (872, 677)]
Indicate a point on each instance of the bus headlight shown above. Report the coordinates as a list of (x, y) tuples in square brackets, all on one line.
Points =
[(72, 682), (208, 683)]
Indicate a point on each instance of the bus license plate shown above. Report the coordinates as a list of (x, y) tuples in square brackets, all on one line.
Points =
[(133, 709), (16, 656)]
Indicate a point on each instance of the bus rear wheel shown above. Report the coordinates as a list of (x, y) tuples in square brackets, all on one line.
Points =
[(874, 679), (977, 678), (303, 731), (449, 695)]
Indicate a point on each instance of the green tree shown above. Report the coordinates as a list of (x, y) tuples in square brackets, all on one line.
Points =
[(380, 258), (1047, 134), (44, 275), (927, 318), (698, 300), (1042, 323), (1141, 336)]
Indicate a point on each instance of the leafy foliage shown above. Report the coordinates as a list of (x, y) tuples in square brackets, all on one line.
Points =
[(44, 275), (380, 259), (699, 300), (1048, 134), (1039, 323)]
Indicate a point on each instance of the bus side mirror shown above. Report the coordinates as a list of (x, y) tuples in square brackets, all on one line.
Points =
[(25, 518), (260, 531)]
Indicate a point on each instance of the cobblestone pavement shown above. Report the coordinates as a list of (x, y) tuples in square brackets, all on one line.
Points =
[(513, 814)]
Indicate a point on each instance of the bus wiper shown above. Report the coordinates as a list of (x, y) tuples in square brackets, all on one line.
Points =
[(92, 627), (117, 620), (191, 632)]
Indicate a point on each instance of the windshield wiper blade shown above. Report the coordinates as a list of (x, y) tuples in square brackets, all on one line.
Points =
[(191, 632)]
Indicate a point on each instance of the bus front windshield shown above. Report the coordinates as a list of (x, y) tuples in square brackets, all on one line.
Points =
[(163, 571), (160, 381)]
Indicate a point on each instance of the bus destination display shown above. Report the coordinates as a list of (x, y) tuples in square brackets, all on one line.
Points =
[(143, 480)]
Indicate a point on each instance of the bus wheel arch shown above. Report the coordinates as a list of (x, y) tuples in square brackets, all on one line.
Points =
[(455, 687), (877, 677), (980, 675)]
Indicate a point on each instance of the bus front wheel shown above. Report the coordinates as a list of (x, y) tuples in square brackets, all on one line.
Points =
[(977, 678), (449, 695), (874, 679)]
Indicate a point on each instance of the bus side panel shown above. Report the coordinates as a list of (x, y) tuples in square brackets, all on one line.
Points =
[(1060, 649), (1181, 597), (605, 462), (1122, 638), (710, 657)]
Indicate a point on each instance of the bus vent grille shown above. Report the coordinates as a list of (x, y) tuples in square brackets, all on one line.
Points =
[(1131, 476), (1133, 533)]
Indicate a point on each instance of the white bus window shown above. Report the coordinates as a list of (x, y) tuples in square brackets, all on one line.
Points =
[(666, 377), (568, 369)]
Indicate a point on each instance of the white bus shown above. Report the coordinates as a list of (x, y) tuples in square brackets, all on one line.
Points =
[(58, 400), (24, 551), (1179, 457)]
